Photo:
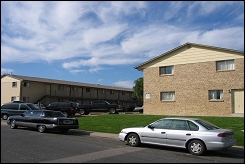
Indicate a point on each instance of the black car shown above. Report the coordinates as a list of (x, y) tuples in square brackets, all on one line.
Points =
[(67, 108), (43, 120)]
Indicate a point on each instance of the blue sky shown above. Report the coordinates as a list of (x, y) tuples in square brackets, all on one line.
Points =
[(102, 42)]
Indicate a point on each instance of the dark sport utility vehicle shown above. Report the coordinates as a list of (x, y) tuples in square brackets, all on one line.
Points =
[(67, 108), (16, 108)]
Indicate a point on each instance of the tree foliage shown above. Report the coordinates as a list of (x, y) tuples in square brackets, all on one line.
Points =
[(138, 89)]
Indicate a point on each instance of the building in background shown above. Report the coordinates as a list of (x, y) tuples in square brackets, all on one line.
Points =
[(45, 91)]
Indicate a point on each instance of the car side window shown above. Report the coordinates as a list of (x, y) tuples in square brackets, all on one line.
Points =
[(24, 107), (11, 106), (193, 126), (162, 124), (179, 125)]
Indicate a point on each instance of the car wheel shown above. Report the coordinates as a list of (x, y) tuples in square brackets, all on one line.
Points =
[(12, 124), (82, 112), (196, 147), (133, 140), (41, 128), (65, 113), (4, 116), (63, 130), (113, 111)]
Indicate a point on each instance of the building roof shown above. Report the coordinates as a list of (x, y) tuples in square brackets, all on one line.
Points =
[(188, 44), (53, 81)]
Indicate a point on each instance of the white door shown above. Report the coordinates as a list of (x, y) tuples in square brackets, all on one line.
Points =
[(238, 101)]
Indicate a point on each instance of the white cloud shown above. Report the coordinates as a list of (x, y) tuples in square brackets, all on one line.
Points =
[(127, 84), (6, 71)]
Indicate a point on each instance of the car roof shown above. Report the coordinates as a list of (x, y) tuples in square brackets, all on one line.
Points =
[(182, 118)]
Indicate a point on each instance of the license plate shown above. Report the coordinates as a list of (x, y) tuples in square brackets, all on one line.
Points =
[(68, 122)]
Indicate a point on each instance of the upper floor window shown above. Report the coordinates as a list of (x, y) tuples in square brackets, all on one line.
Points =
[(26, 84), (14, 84), (215, 94), (225, 65), (87, 89), (111, 92), (123, 93), (167, 70), (103, 91), (61, 87), (73, 88), (167, 96)]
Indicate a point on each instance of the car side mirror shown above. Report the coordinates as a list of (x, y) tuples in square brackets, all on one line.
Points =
[(150, 126)]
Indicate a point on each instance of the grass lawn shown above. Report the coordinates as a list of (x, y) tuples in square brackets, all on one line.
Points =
[(113, 123)]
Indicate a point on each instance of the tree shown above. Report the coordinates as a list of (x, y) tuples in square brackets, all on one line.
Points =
[(138, 89)]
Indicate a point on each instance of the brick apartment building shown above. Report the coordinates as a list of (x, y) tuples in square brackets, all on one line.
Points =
[(194, 79)]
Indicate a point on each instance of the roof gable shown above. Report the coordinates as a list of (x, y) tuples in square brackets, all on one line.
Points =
[(185, 47)]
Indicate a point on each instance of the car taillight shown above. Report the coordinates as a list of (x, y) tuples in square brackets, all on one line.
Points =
[(221, 135), (224, 134), (72, 108)]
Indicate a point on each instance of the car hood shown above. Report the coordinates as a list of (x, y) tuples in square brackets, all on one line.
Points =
[(133, 129)]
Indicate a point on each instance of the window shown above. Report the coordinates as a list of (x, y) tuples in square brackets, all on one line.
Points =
[(73, 88), (103, 91), (161, 124), (225, 65), (14, 84), (215, 94), (26, 99), (87, 89), (167, 95), (61, 87), (167, 70), (13, 98), (123, 93), (26, 84), (111, 92)]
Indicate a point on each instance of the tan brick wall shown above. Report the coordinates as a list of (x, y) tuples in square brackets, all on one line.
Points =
[(191, 83)]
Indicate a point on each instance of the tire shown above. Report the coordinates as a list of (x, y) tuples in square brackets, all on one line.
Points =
[(65, 113), (41, 128), (133, 140), (196, 147), (63, 130), (112, 111), (82, 112), (12, 124), (5, 116)]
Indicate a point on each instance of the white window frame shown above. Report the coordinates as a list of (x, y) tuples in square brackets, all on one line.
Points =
[(215, 95), (166, 70), (225, 65), (14, 84), (167, 96)]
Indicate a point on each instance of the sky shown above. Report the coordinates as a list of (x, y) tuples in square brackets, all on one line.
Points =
[(101, 42)]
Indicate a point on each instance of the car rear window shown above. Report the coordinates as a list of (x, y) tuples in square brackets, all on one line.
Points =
[(207, 125)]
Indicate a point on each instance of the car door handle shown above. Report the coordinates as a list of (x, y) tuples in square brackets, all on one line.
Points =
[(188, 134), (163, 132)]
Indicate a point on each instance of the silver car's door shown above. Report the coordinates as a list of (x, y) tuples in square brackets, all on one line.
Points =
[(178, 133), (156, 132)]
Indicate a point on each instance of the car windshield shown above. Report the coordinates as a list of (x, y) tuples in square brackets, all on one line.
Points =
[(207, 125), (53, 114), (33, 106)]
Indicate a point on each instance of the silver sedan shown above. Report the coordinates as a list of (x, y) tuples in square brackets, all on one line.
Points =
[(195, 135)]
